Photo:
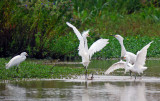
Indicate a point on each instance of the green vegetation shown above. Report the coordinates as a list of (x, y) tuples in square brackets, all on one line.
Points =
[(31, 69), (38, 69), (39, 26)]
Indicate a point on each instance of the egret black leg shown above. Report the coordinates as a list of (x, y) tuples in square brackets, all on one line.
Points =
[(135, 75), (17, 69), (86, 74), (11, 71), (130, 73), (92, 77)]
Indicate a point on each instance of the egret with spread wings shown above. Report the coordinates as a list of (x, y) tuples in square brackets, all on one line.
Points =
[(84, 52), (137, 67), (124, 52)]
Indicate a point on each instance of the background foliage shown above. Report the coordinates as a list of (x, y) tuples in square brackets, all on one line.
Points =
[(39, 26)]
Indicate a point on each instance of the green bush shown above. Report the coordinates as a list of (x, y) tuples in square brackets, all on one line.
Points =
[(31, 26), (39, 26)]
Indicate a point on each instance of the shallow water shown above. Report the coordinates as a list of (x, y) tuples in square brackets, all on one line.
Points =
[(102, 87), (145, 89), (152, 64), (104, 64)]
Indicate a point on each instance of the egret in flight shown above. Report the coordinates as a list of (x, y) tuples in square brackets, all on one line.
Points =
[(15, 61), (84, 52), (137, 67)]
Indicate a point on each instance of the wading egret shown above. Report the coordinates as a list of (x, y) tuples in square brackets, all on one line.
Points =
[(124, 52), (15, 61), (137, 67), (84, 52)]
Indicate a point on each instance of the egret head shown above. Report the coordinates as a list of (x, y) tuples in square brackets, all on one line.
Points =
[(126, 57), (118, 37), (24, 54), (85, 34)]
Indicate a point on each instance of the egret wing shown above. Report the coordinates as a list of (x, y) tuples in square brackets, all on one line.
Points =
[(14, 61), (75, 31), (141, 56), (115, 66), (80, 38), (97, 46)]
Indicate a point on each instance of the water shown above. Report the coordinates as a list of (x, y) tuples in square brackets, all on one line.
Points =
[(77, 90), (102, 88), (152, 64)]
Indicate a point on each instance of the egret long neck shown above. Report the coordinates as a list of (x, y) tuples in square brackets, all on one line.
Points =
[(123, 50), (85, 44)]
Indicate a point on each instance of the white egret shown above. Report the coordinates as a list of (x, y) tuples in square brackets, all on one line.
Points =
[(123, 50), (84, 52), (15, 61), (137, 67)]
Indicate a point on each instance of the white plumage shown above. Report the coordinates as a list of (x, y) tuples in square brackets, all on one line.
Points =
[(115, 66), (15, 61), (123, 50), (138, 66), (97, 46), (141, 56), (84, 52), (140, 60)]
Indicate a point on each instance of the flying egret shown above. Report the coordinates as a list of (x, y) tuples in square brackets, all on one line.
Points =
[(84, 52), (137, 67), (15, 61)]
